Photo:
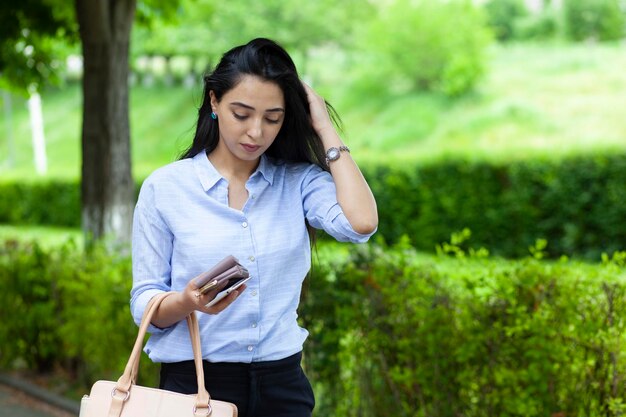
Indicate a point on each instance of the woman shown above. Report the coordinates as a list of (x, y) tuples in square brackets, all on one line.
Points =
[(266, 166)]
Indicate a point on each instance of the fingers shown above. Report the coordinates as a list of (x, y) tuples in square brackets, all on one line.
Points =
[(224, 302), (201, 300), (320, 119), (312, 95)]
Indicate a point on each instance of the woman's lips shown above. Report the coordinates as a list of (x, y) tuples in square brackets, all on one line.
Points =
[(250, 148)]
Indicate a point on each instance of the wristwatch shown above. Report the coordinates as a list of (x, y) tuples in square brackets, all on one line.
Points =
[(332, 154)]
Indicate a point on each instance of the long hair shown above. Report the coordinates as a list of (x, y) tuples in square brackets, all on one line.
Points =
[(296, 141)]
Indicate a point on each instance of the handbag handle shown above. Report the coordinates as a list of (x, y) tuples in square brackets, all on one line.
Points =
[(129, 376)]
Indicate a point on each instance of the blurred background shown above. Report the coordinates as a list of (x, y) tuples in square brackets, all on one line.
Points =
[(492, 132), (414, 80)]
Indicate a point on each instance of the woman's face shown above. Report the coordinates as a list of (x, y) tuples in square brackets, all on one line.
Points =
[(250, 116)]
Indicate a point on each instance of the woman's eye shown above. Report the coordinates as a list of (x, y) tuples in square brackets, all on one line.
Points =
[(240, 116), (272, 121)]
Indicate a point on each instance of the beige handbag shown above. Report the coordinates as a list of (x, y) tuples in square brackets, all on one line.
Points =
[(125, 399)]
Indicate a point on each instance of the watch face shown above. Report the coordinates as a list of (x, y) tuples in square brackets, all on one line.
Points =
[(332, 154)]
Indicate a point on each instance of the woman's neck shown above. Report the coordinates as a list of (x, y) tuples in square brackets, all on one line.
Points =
[(230, 167)]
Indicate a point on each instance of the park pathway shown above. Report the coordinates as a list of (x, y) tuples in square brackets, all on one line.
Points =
[(24, 400)]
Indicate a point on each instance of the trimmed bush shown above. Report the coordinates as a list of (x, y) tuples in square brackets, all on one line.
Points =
[(67, 308), (29, 302), (576, 204), (50, 202), (392, 333), (396, 334)]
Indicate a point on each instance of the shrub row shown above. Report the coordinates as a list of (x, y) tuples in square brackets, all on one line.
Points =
[(392, 333), (54, 203), (575, 204), (66, 309)]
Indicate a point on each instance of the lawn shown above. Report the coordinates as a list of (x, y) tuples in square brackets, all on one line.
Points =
[(46, 236), (535, 101)]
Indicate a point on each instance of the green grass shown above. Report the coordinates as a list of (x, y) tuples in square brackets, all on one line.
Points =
[(44, 235), (48, 236), (162, 121), (162, 125), (535, 101), (61, 112)]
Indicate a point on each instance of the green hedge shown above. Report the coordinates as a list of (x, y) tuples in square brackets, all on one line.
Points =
[(393, 333), (55, 203), (576, 204), (396, 334), (65, 308)]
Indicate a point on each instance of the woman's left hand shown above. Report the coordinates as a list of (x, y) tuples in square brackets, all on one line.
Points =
[(320, 119), (353, 193)]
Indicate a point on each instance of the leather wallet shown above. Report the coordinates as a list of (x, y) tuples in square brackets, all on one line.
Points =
[(228, 269)]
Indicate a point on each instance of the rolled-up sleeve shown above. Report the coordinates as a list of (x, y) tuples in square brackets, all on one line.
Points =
[(319, 199), (151, 251)]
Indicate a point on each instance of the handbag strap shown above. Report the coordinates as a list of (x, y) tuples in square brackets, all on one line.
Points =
[(123, 387)]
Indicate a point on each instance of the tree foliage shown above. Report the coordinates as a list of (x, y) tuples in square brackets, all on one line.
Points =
[(34, 39), (594, 19), (104, 27), (501, 17), (429, 45), (37, 35), (202, 30)]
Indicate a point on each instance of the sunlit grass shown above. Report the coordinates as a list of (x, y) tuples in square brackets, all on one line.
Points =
[(162, 125), (535, 101), (161, 119), (61, 113), (43, 235)]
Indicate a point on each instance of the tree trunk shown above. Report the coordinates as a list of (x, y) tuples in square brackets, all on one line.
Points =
[(107, 185)]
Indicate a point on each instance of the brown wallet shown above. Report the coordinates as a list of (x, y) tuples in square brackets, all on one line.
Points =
[(228, 269)]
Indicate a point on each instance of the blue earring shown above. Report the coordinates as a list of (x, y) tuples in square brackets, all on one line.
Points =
[(213, 115)]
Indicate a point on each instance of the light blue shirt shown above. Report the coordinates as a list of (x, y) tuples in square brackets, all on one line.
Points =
[(183, 226)]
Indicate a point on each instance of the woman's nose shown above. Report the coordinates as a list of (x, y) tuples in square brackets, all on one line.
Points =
[(254, 130)]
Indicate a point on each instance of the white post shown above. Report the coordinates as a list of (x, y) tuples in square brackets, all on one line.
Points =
[(36, 126)]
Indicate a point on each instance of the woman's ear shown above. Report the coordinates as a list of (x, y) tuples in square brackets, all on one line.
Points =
[(213, 100)]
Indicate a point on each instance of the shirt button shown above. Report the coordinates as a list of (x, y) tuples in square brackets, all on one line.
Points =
[(250, 348), (253, 196), (254, 293), (244, 224), (251, 258), (253, 325)]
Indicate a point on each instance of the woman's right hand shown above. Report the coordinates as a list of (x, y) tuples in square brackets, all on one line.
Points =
[(178, 306), (198, 301)]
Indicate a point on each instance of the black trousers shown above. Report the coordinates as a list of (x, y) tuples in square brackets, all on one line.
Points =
[(259, 389)]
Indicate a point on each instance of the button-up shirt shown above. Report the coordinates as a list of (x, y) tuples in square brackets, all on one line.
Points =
[(183, 226)]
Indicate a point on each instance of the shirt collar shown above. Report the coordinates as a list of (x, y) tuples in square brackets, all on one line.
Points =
[(209, 176), (267, 168)]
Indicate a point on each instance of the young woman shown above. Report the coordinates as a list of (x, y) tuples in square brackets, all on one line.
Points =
[(266, 166)]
